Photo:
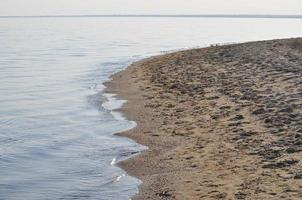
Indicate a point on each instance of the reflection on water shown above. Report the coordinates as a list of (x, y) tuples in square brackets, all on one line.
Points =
[(56, 126)]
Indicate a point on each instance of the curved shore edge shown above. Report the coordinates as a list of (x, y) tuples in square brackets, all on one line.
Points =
[(222, 122)]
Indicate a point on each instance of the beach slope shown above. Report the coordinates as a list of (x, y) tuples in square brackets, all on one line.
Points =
[(223, 122)]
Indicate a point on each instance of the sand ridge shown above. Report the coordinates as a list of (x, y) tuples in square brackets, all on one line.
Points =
[(223, 122)]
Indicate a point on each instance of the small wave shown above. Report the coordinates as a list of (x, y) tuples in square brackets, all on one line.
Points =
[(113, 162), (93, 86), (118, 178), (96, 100), (111, 102), (77, 55), (115, 179), (6, 122), (128, 154)]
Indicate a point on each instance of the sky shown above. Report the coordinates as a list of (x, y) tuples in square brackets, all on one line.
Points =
[(91, 7)]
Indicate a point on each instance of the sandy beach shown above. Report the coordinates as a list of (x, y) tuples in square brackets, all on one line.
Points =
[(223, 122)]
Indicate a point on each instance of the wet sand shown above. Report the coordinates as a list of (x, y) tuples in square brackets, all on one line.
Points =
[(223, 122)]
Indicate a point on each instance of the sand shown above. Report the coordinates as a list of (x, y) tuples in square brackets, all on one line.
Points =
[(223, 122)]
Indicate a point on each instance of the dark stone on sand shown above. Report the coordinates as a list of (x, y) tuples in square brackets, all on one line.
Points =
[(164, 194), (225, 107), (240, 195), (213, 98), (179, 110), (271, 154), (298, 176), (235, 124), (221, 195), (237, 118), (267, 120), (298, 135), (281, 164), (291, 150), (258, 111), (194, 166), (174, 86), (247, 133), (288, 109), (248, 95)]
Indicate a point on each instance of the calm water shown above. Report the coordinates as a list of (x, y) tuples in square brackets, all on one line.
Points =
[(57, 126)]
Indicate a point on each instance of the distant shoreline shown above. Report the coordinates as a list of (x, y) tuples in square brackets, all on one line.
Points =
[(262, 16), (222, 122)]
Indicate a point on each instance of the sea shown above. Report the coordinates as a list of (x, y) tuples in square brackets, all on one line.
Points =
[(57, 125)]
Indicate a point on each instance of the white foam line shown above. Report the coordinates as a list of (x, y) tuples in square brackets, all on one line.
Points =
[(113, 161), (119, 178)]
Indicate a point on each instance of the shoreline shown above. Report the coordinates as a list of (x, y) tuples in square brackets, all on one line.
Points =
[(220, 122)]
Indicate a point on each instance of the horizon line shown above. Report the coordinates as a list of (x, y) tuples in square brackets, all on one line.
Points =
[(163, 15)]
